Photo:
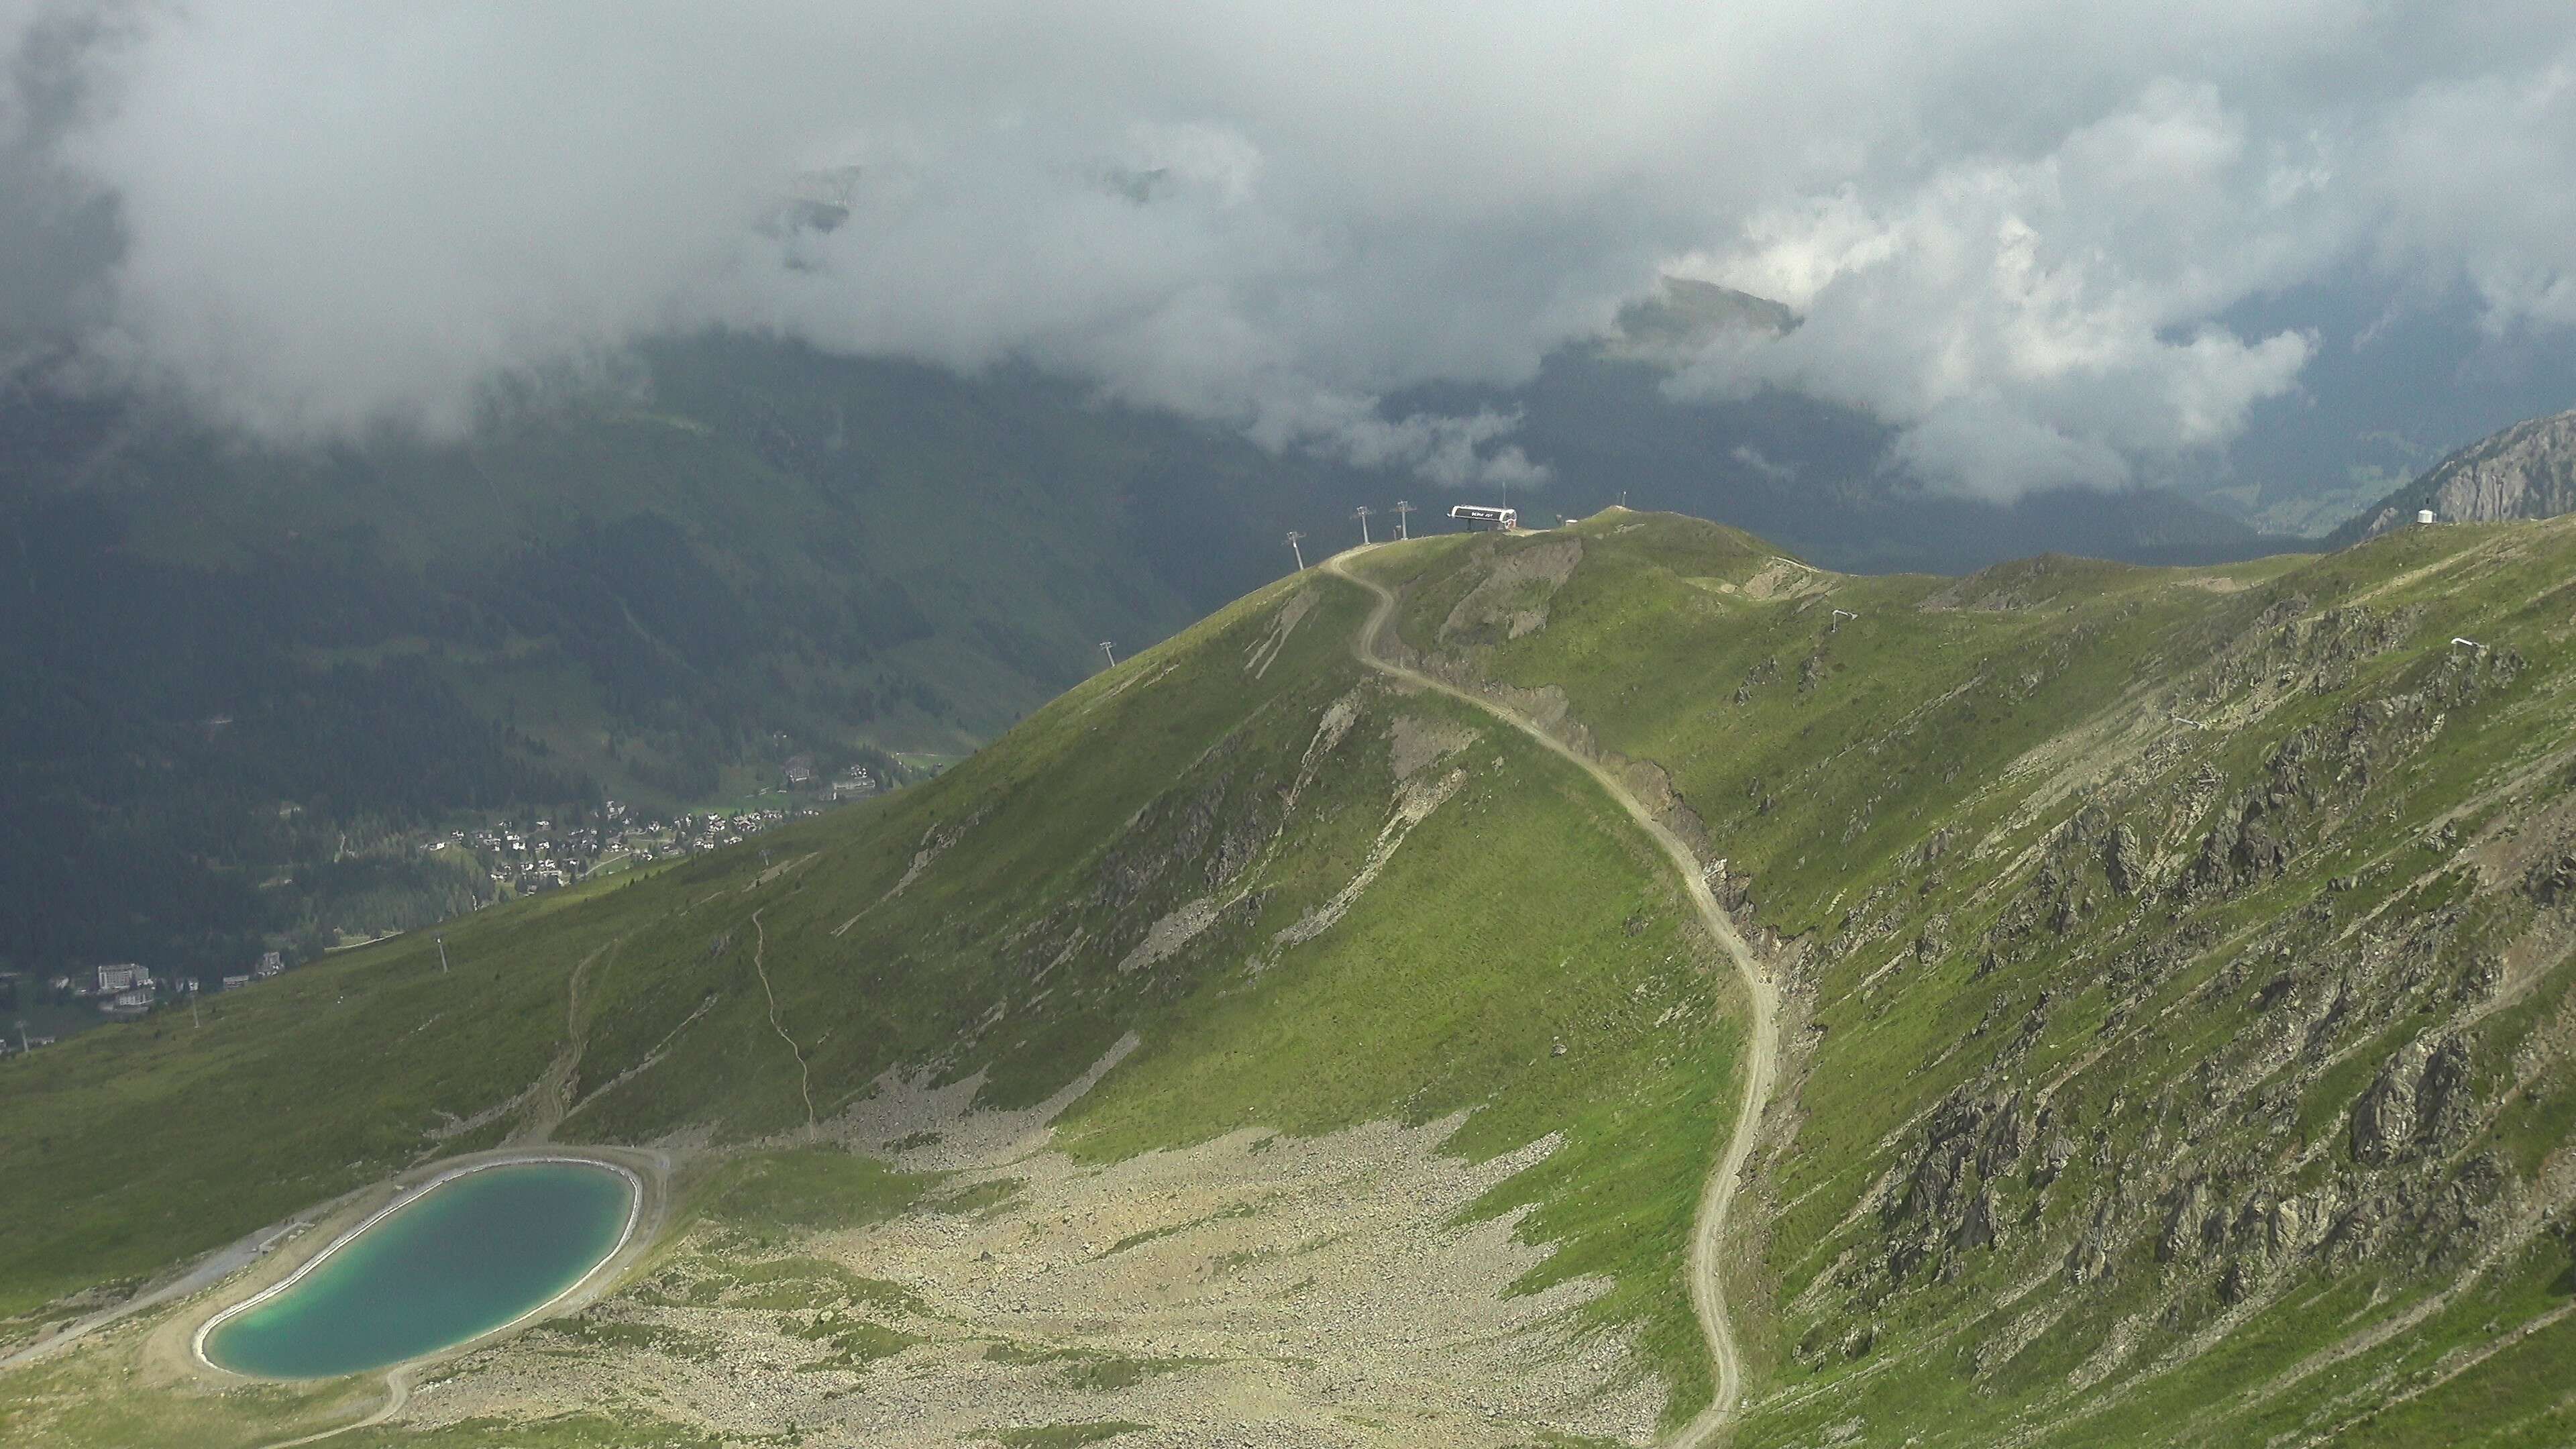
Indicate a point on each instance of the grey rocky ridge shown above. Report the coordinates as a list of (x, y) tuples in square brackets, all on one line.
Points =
[(2526, 471)]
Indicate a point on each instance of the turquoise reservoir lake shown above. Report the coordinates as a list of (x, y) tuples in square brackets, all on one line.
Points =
[(468, 1255)]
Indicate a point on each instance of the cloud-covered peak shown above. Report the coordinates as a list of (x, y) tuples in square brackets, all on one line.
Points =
[(2044, 319), (2014, 231)]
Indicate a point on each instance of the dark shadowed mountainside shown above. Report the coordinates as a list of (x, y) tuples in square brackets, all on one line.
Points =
[(239, 680), (224, 668)]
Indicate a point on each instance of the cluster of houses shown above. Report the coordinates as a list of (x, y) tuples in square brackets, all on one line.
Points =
[(518, 858), (539, 854), (122, 990), (128, 989), (270, 964), (523, 857), (125, 990), (858, 782)]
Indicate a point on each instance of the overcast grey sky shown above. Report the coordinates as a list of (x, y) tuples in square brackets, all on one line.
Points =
[(2019, 229)]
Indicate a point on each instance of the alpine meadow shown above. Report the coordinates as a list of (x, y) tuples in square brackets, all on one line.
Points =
[(2167, 969), (1812, 724)]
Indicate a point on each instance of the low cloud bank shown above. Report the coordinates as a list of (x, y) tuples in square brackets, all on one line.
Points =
[(2012, 229)]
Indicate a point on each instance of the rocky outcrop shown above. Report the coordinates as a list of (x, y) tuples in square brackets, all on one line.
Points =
[(2526, 471), (2340, 1106), (1511, 601), (1685, 316)]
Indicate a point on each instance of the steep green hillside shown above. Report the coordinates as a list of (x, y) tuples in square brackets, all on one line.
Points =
[(2179, 963), (2177, 1042), (1314, 900)]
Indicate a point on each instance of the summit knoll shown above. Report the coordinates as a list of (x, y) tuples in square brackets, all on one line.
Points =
[(2075, 1004)]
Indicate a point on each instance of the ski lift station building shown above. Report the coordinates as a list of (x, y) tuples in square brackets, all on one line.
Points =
[(1477, 515)]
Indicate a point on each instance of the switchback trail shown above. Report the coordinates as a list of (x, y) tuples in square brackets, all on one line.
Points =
[(1717, 1197), (804, 1077)]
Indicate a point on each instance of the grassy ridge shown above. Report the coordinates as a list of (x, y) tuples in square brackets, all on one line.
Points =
[(1438, 975), (978, 925), (2116, 897), (2177, 965)]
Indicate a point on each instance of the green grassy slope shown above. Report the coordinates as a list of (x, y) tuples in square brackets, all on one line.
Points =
[(2182, 966), (2181, 1037), (1483, 934)]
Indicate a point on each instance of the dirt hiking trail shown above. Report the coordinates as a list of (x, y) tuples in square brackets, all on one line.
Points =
[(1717, 1197), (804, 1074)]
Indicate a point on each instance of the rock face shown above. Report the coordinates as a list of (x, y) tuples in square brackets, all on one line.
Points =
[(2526, 471), (1674, 326), (1511, 601)]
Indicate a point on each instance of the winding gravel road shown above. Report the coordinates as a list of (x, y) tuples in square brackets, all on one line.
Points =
[(1717, 1197), (397, 1394)]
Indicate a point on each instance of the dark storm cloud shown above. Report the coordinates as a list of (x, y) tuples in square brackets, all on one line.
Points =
[(2012, 227)]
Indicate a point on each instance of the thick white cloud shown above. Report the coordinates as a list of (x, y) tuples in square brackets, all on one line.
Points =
[(2478, 173), (2011, 225), (2039, 321)]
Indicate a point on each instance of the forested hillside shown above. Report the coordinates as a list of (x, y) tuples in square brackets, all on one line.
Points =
[(235, 682)]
